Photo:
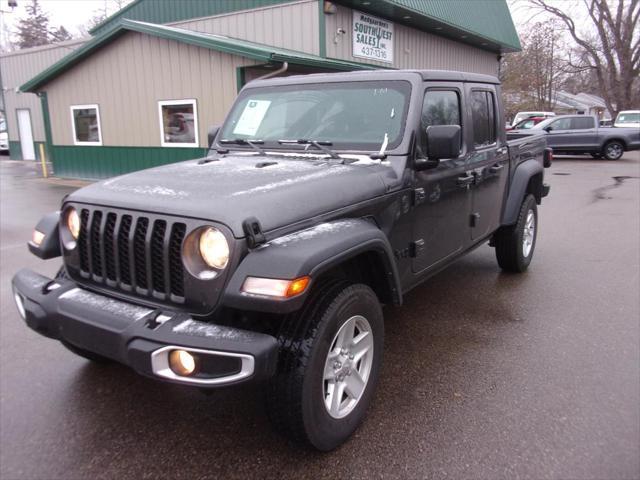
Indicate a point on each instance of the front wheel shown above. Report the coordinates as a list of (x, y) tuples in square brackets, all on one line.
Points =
[(613, 150), (515, 244), (329, 364)]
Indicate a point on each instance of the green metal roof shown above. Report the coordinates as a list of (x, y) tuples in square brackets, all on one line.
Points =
[(233, 46), (485, 24), (167, 11)]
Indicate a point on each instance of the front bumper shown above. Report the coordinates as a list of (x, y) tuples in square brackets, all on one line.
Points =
[(141, 337)]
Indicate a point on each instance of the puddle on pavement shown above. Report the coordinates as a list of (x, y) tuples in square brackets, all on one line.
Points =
[(601, 193)]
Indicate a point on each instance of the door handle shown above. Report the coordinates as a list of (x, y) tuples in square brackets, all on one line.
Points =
[(465, 181), (496, 168)]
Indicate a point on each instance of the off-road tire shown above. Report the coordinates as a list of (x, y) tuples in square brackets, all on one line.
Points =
[(294, 398), (613, 150), (509, 240)]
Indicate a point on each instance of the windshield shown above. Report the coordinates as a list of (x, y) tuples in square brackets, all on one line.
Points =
[(543, 123), (631, 117), (346, 115)]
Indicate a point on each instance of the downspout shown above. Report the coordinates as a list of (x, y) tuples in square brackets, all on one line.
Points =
[(282, 69)]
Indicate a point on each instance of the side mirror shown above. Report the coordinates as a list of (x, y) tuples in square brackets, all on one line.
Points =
[(548, 129), (442, 141), (211, 136)]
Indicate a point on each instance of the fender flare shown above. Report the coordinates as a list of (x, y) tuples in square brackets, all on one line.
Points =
[(50, 245), (521, 177), (310, 252)]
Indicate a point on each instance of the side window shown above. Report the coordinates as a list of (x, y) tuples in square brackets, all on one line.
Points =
[(440, 107), (578, 123), (561, 124), (483, 116)]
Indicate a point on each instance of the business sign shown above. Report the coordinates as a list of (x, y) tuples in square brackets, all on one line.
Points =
[(372, 37)]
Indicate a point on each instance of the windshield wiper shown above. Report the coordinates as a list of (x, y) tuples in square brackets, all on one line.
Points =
[(319, 144), (242, 141)]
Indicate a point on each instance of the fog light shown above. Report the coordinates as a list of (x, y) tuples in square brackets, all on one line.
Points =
[(20, 304), (182, 363), (37, 238)]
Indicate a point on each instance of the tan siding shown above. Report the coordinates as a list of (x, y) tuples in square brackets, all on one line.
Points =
[(19, 67), (293, 26), (129, 76), (412, 48)]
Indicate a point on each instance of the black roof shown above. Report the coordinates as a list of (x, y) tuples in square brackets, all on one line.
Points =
[(426, 75)]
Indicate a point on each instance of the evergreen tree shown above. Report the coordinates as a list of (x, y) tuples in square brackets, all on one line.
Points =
[(34, 29), (60, 34)]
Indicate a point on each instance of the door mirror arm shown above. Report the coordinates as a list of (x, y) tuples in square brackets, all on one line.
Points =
[(421, 164)]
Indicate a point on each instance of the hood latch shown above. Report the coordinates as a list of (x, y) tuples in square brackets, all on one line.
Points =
[(253, 231)]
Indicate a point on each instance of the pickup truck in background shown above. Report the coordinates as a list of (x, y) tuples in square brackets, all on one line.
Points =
[(628, 119), (580, 134), (322, 198)]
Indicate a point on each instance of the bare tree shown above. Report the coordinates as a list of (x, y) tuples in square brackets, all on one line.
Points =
[(533, 76), (609, 46)]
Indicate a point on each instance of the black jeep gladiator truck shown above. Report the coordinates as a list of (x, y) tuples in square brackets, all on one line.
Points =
[(322, 198)]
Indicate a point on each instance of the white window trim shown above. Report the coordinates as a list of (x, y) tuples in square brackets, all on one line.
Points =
[(73, 125), (196, 126)]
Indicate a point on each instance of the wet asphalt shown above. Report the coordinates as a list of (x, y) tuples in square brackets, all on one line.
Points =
[(486, 375)]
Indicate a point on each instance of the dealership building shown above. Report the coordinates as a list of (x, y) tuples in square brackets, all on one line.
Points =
[(144, 89)]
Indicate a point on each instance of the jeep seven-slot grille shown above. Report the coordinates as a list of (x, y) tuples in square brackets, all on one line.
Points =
[(132, 253)]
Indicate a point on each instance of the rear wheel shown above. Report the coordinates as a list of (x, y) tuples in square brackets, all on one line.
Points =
[(330, 356), (613, 150), (515, 244)]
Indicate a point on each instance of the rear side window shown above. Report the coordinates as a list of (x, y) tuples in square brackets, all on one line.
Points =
[(440, 107), (483, 116), (582, 123)]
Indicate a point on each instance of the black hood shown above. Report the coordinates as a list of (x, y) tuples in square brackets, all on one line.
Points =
[(274, 189)]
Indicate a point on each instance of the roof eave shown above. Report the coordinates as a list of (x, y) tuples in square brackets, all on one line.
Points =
[(191, 38)]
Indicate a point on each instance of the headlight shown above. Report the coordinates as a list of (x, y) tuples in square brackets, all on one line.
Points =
[(214, 248), (73, 223)]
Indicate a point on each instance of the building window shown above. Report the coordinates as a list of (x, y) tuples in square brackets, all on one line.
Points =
[(85, 120), (178, 123)]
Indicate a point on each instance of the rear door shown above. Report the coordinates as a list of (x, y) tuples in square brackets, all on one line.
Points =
[(442, 194), (488, 162), (584, 135)]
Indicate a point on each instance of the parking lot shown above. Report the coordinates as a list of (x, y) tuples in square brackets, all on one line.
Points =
[(486, 375)]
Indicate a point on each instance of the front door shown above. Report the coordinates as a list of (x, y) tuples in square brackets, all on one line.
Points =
[(26, 134), (442, 195), (489, 162)]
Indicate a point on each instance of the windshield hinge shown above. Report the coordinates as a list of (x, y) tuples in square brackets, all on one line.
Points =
[(253, 231)]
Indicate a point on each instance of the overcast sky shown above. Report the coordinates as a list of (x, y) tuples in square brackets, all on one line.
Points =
[(73, 14)]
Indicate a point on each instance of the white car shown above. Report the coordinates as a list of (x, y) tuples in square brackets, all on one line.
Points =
[(4, 138), (522, 115), (628, 118)]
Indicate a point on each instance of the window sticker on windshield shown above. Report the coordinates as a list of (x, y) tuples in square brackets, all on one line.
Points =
[(251, 117)]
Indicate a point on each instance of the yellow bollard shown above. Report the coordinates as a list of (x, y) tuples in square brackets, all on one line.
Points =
[(44, 161)]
